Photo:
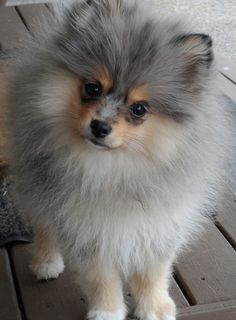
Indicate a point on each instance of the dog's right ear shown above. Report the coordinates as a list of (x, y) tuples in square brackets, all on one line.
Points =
[(197, 47), (195, 56)]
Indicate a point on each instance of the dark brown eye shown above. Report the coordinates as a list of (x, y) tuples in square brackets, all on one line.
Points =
[(93, 89), (138, 110)]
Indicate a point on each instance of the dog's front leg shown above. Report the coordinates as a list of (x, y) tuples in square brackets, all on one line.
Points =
[(150, 291), (103, 287), (47, 262)]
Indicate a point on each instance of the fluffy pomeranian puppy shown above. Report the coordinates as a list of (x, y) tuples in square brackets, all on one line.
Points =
[(118, 150)]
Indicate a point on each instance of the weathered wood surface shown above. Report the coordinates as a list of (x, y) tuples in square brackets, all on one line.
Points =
[(212, 309), (226, 217), (9, 309), (34, 16), (208, 271), (178, 295), (12, 30), (212, 315), (3, 107), (226, 86), (226, 67), (57, 299)]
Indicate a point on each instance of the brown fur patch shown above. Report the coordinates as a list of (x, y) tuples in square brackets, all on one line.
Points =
[(105, 78), (140, 93), (155, 133), (157, 129), (141, 284), (80, 114), (157, 123), (150, 291), (110, 295), (45, 249), (102, 287)]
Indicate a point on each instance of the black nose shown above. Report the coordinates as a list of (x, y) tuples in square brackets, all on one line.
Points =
[(100, 129)]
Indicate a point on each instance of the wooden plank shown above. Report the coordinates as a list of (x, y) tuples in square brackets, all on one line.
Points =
[(59, 299), (9, 309), (178, 295), (226, 86), (3, 134), (218, 315), (34, 15), (49, 6), (12, 29), (226, 217), (208, 272), (211, 308), (226, 67)]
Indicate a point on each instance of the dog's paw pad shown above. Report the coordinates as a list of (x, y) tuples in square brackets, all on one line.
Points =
[(107, 315), (48, 269)]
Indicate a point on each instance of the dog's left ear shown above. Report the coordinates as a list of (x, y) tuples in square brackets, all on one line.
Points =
[(195, 52)]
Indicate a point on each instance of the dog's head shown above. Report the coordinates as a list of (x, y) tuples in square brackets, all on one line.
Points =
[(137, 78)]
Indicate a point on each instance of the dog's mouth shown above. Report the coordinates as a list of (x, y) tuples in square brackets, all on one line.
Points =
[(97, 144)]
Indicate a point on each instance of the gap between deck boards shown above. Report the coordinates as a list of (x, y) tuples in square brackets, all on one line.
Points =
[(16, 285)]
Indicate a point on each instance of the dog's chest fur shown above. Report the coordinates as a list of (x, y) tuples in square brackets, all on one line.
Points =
[(123, 211)]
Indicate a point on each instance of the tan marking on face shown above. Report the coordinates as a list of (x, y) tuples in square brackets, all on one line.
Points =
[(156, 134), (105, 78), (125, 131), (140, 93), (80, 114)]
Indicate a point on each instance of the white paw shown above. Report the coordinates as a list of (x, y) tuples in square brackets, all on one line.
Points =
[(148, 316), (48, 269), (151, 316), (169, 317), (154, 316), (107, 315)]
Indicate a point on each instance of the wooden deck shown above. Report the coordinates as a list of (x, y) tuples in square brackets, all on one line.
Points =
[(204, 283)]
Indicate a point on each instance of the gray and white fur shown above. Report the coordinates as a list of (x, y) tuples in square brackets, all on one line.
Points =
[(128, 211)]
